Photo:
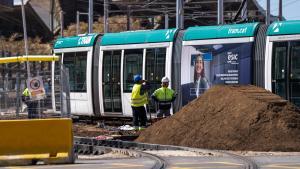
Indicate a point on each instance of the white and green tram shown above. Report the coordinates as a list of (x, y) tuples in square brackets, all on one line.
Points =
[(101, 67)]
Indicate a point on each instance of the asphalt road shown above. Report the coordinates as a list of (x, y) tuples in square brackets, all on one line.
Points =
[(265, 162)]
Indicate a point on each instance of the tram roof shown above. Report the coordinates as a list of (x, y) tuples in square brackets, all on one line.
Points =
[(220, 31), (284, 28), (85, 40), (138, 37)]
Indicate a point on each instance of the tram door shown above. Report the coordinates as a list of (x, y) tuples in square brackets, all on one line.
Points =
[(155, 69), (111, 82), (286, 70)]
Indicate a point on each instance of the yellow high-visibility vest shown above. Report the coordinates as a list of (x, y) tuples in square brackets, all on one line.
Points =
[(26, 92), (164, 94), (138, 100)]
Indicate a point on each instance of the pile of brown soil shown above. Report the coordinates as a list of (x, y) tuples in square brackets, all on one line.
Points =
[(231, 118)]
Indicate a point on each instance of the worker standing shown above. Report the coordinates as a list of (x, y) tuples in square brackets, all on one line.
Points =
[(138, 100), (164, 96), (31, 105)]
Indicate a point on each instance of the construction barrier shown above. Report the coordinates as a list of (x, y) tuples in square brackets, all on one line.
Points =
[(25, 142)]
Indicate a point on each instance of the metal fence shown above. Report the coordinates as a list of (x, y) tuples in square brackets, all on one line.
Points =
[(13, 77)]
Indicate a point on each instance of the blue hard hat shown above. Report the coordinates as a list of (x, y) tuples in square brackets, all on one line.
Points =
[(137, 78)]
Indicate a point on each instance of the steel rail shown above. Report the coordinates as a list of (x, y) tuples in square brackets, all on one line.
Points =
[(87, 149), (139, 147), (249, 163)]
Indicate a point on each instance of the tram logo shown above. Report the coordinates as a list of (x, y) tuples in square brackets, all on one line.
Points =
[(84, 40), (59, 42), (237, 30), (168, 34), (276, 27)]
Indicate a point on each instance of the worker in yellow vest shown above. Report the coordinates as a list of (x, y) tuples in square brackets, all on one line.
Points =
[(139, 97), (31, 104), (164, 96)]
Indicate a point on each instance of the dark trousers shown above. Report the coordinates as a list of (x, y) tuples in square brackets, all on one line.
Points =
[(32, 110), (139, 116), (163, 112)]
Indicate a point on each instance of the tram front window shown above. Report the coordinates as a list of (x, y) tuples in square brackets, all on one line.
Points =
[(76, 63), (133, 64)]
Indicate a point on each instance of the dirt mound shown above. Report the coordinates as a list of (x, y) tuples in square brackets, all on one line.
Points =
[(231, 118)]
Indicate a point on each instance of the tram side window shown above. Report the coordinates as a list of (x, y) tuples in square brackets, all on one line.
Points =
[(76, 63), (133, 64), (279, 62), (155, 66), (295, 61)]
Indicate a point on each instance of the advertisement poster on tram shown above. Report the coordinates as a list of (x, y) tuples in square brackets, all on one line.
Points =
[(203, 66)]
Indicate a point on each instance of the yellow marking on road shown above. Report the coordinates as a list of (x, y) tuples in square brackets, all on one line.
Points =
[(283, 166), (197, 167), (16, 167), (116, 165), (226, 163), (185, 167), (128, 164)]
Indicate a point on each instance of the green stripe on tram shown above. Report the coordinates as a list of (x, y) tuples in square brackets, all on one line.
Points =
[(220, 31), (284, 28), (75, 41), (138, 37)]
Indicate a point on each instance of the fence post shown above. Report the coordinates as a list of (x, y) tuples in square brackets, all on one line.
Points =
[(18, 91), (67, 91)]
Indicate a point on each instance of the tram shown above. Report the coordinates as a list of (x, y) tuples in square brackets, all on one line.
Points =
[(282, 60), (101, 67)]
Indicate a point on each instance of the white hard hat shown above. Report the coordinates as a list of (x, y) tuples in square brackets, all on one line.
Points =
[(165, 80)]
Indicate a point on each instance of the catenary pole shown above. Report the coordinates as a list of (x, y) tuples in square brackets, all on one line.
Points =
[(26, 53), (61, 15), (25, 35), (268, 13), (179, 14), (77, 22), (280, 10), (166, 21), (105, 16), (220, 12), (91, 11)]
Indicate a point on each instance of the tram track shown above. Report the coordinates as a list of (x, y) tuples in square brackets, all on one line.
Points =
[(87, 149), (91, 146)]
